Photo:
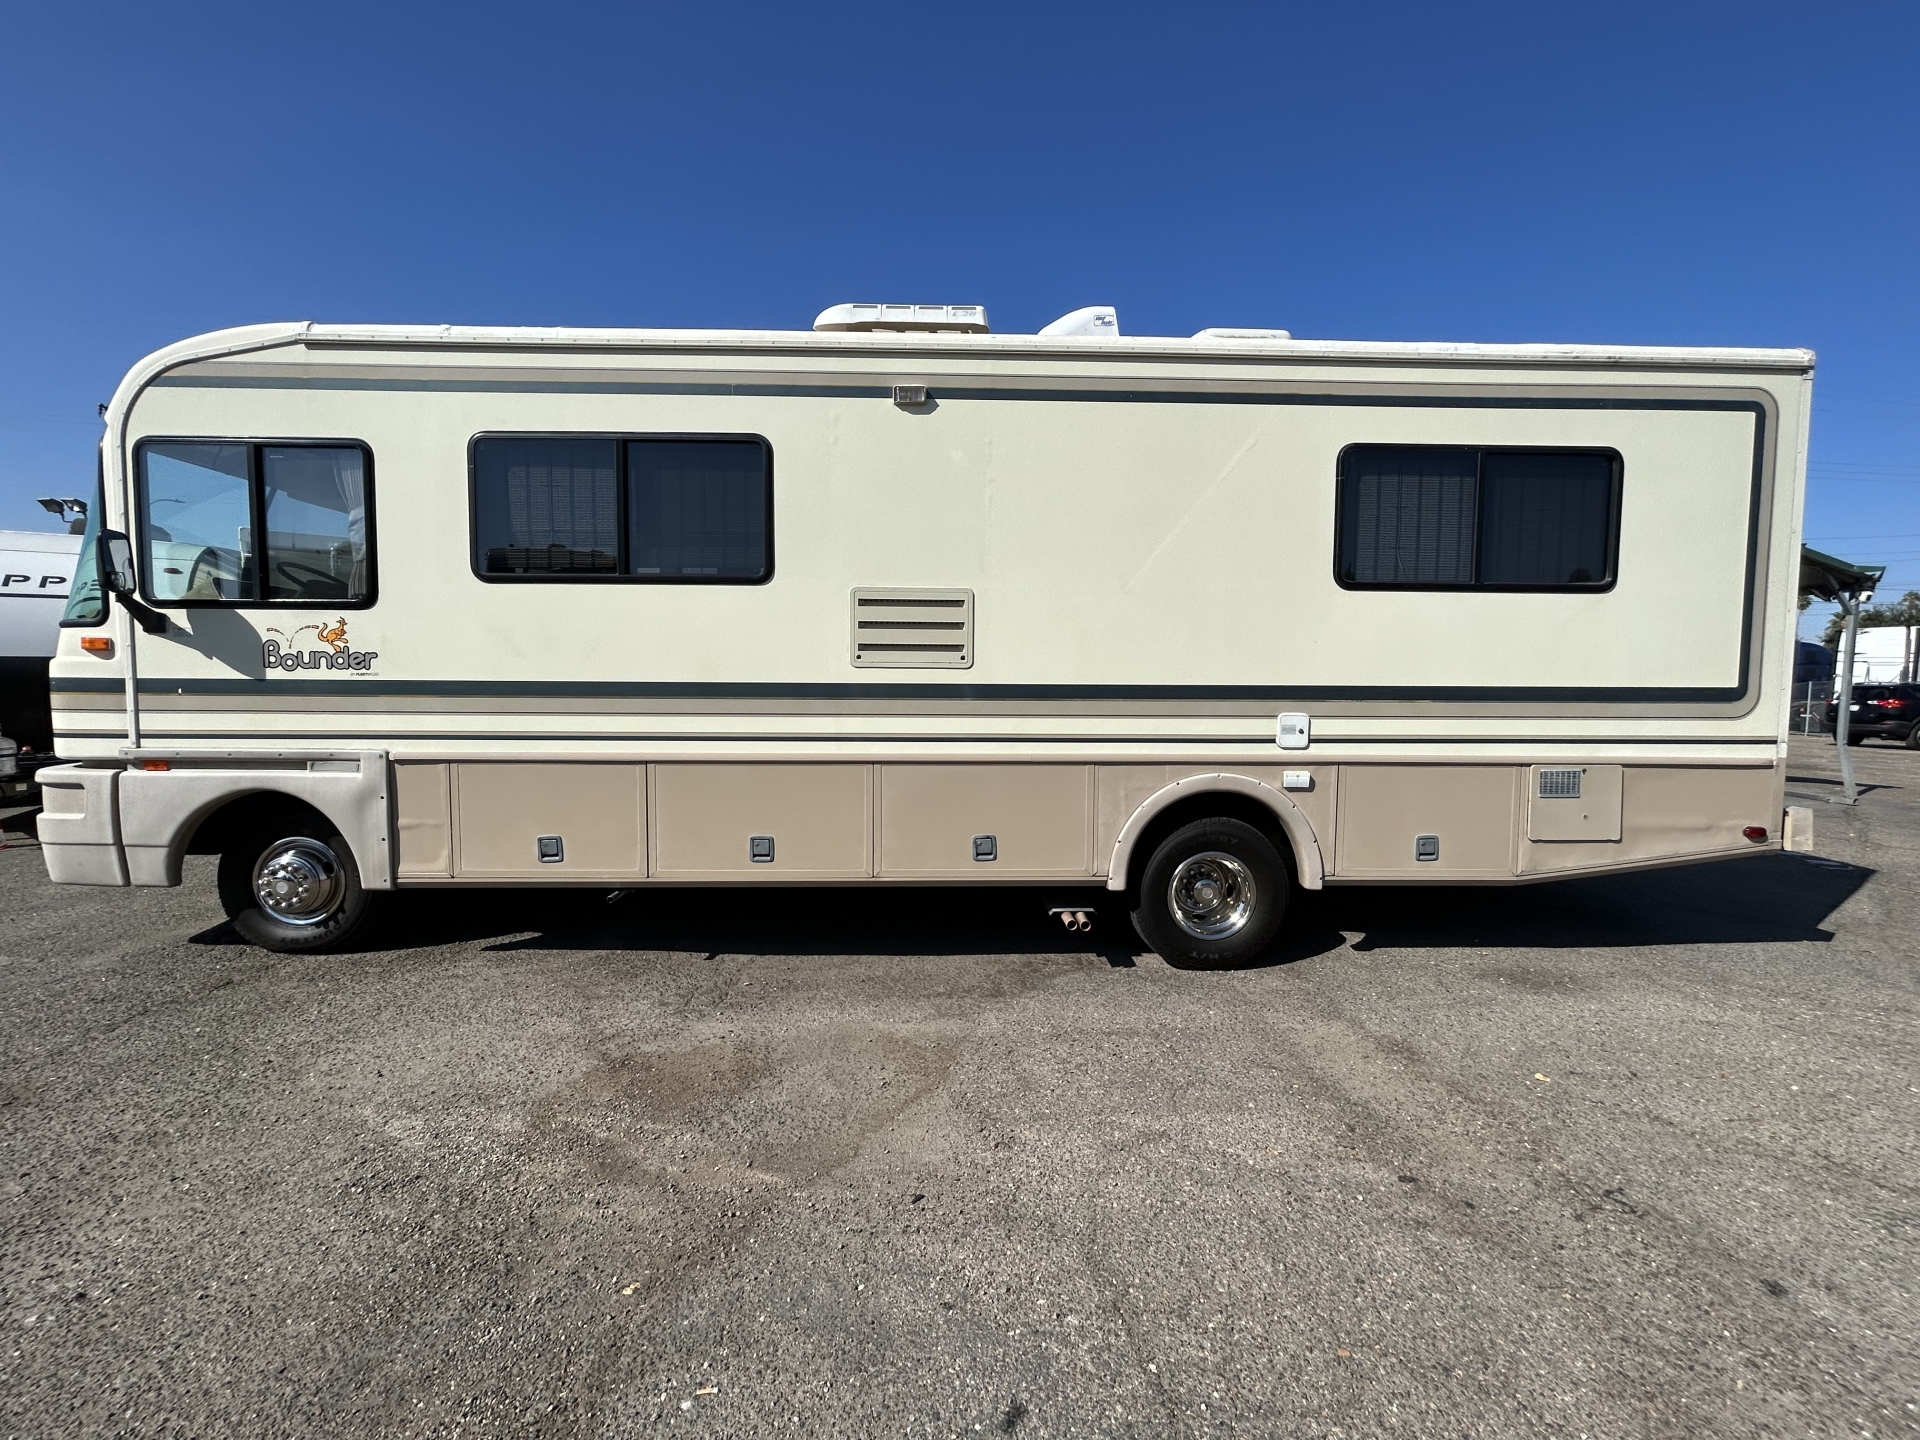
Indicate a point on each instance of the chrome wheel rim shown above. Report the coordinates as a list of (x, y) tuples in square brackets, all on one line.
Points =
[(298, 881), (1211, 895)]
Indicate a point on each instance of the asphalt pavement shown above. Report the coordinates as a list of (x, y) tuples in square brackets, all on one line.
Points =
[(1632, 1156)]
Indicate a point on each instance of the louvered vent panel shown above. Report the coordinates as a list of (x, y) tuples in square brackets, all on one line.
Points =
[(1560, 784), (913, 629)]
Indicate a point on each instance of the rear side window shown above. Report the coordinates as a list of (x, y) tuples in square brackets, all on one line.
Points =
[(1428, 517), (685, 509), (243, 523)]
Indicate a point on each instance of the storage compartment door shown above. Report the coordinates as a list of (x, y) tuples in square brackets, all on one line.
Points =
[(755, 822), (591, 816), (985, 822), (1393, 815)]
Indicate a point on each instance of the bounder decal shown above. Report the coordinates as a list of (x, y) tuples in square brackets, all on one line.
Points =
[(274, 655)]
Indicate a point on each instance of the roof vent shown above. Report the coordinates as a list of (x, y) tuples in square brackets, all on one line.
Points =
[(1088, 320), (968, 319), (1236, 332)]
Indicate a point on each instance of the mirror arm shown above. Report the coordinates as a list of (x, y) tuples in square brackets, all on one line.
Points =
[(149, 619)]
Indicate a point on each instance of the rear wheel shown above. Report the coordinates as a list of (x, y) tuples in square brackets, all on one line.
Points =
[(1913, 736), (293, 887), (1213, 893)]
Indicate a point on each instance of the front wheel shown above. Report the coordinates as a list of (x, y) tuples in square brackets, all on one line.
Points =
[(1213, 893), (293, 887), (1856, 739)]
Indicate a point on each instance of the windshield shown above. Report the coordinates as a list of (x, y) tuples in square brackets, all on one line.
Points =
[(86, 601)]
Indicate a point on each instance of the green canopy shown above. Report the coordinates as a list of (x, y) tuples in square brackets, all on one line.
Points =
[(1825, 578)]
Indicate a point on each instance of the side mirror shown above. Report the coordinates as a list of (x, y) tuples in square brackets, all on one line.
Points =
[(116, 562)]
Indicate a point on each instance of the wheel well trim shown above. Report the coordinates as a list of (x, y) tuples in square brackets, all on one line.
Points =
[(160, 811), (1311, 871)]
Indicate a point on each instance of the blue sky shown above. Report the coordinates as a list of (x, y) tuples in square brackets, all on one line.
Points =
[(1725, 174)]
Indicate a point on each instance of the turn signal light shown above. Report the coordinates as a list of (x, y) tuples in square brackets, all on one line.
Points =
[(96, 644), (1755, 833)]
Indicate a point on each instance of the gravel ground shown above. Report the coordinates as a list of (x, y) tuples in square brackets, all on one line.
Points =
[(1620, 1157)]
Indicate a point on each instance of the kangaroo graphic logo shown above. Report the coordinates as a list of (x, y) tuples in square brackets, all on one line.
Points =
[(284, 653)]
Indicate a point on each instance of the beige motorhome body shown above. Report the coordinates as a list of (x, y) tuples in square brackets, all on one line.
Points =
[(1137, 535)]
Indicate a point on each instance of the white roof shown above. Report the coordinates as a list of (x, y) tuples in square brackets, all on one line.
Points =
[(1227, 345), (256, 337), (53, 542)]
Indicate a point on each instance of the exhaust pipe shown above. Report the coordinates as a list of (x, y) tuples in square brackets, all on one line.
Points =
[(1081, 920)]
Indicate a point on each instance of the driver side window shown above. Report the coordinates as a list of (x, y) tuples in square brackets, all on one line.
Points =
[(206, 507)]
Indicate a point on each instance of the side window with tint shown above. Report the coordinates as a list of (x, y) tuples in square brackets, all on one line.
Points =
[(233, 523), (197, 516), (684, 509), (1429, 517), (315, 510)]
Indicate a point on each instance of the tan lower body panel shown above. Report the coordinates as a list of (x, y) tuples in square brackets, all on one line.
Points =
[(1672, 813), (833, 823), (423, 816)]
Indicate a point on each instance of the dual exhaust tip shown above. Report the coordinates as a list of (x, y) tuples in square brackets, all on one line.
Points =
[(1074, 919)]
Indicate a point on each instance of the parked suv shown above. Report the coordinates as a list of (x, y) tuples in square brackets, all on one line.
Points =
[(1892, 711)]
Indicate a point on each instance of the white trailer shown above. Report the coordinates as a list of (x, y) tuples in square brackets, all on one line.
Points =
[(1196, 620), (1887, 654), (34, 572)]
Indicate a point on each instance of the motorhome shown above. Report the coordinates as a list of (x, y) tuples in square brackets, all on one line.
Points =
[(1194, 621)]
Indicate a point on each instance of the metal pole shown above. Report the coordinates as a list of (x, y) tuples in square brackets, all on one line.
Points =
[(1850, 604)]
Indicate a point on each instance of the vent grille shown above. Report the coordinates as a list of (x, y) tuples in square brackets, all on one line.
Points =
[(1560, 784), (913, 629)]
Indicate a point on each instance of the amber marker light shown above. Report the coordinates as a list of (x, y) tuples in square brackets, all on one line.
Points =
[(151, 765), (96, 645)]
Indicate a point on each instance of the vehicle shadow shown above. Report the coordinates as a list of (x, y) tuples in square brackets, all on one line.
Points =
[(894, 921), (1730, 902), (1735, 902)]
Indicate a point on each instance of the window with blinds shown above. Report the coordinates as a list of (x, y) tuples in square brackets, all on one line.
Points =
[(1429, 517), (681, 509)]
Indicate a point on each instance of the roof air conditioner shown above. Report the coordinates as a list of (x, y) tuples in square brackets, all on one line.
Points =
[(967, 319)]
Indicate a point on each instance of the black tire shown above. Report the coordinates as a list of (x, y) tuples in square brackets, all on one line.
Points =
[(1913, 736), (1854, 737), (344, 904), (1159, 917)]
